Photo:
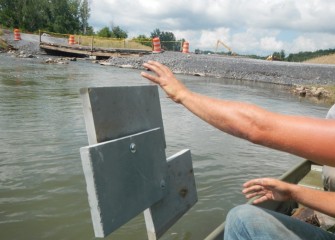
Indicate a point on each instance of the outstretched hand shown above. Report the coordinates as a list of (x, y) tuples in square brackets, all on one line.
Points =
[(166, 80), (267, 189)]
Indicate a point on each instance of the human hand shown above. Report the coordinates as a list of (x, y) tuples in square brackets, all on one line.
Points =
[(166, 80), (267, 189)]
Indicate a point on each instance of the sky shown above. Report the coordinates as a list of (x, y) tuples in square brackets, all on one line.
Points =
[(258, 27)]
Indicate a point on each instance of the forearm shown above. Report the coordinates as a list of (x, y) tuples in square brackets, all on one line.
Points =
[(306, 137), (236, 118), (317, 200)]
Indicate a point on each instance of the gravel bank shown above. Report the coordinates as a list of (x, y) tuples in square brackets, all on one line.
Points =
[(236, 68)]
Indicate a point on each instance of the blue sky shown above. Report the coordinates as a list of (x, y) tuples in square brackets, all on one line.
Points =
[(247, 26)]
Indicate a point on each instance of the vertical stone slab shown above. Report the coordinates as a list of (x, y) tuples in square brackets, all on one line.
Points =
[(124, 177), (114, 112), (180, 196)]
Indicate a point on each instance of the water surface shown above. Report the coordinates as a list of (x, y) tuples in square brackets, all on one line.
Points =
[(42, 187)]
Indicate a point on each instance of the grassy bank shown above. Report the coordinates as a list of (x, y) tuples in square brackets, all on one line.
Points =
[(110, 43)]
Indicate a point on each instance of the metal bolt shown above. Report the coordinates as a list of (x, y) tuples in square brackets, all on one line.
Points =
[(163, 185), (132, 147)]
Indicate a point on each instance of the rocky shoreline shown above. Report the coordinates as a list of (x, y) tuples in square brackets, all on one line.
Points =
[(301, 77), (235, 68)]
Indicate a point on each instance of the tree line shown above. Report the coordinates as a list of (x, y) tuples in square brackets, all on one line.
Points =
[(61, 16), (301, 56), (68, 17)]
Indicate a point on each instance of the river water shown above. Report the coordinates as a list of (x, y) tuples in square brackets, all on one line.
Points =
[(42, 186)]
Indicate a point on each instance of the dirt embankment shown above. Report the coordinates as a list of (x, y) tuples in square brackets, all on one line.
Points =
[(328, 59)]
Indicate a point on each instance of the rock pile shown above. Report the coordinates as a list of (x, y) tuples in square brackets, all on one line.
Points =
[(317, 92), (235, 68), (60, 60)]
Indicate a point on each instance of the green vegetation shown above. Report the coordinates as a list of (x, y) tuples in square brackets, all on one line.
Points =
[(61, 16), (71, 17), (116, 32), (301, 56), (103, 42), (142, 39), (168, 40)]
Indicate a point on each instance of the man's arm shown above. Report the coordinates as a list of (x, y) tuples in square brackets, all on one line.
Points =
[(309, 138), (273, 189)]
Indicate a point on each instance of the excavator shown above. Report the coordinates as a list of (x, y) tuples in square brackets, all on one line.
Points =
[(273, 58), (230, 51)]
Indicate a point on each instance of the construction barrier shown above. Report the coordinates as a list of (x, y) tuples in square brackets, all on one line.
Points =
[(71, 40), (186, 47), (17, 36), (156, 45)]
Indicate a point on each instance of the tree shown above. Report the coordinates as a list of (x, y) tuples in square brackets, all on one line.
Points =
[(143, 40), (117, 32), (282, 54), (168, 40), (89, 31), (62, 16), (156, 33), (104, 32), (84, 15)]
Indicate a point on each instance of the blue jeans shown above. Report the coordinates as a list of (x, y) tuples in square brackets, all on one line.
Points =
[(251, 222)]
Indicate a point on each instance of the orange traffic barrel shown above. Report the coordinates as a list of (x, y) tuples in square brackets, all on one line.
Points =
[(71, 40), (156, 45), (186, 46), (17, 35)]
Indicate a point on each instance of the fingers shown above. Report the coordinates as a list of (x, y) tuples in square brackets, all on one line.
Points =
[(257, 181), (150, 77), (156, 67), (254, 188), (265, 182), (260, 200), (161, 72)]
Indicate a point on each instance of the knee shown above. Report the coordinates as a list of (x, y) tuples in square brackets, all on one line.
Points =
[(238, 220), (241, 213)]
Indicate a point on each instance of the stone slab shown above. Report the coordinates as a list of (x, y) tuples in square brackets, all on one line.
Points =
[(124, 177), (181, 195), (114, 112)]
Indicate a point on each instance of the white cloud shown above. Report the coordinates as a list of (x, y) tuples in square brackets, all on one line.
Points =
[(248, 26), (271, 43)]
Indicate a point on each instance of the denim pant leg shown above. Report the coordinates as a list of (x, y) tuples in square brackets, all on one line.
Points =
[(251, 222)]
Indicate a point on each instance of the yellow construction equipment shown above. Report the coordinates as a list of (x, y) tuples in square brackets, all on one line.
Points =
[(273, 58), (222, 43)]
